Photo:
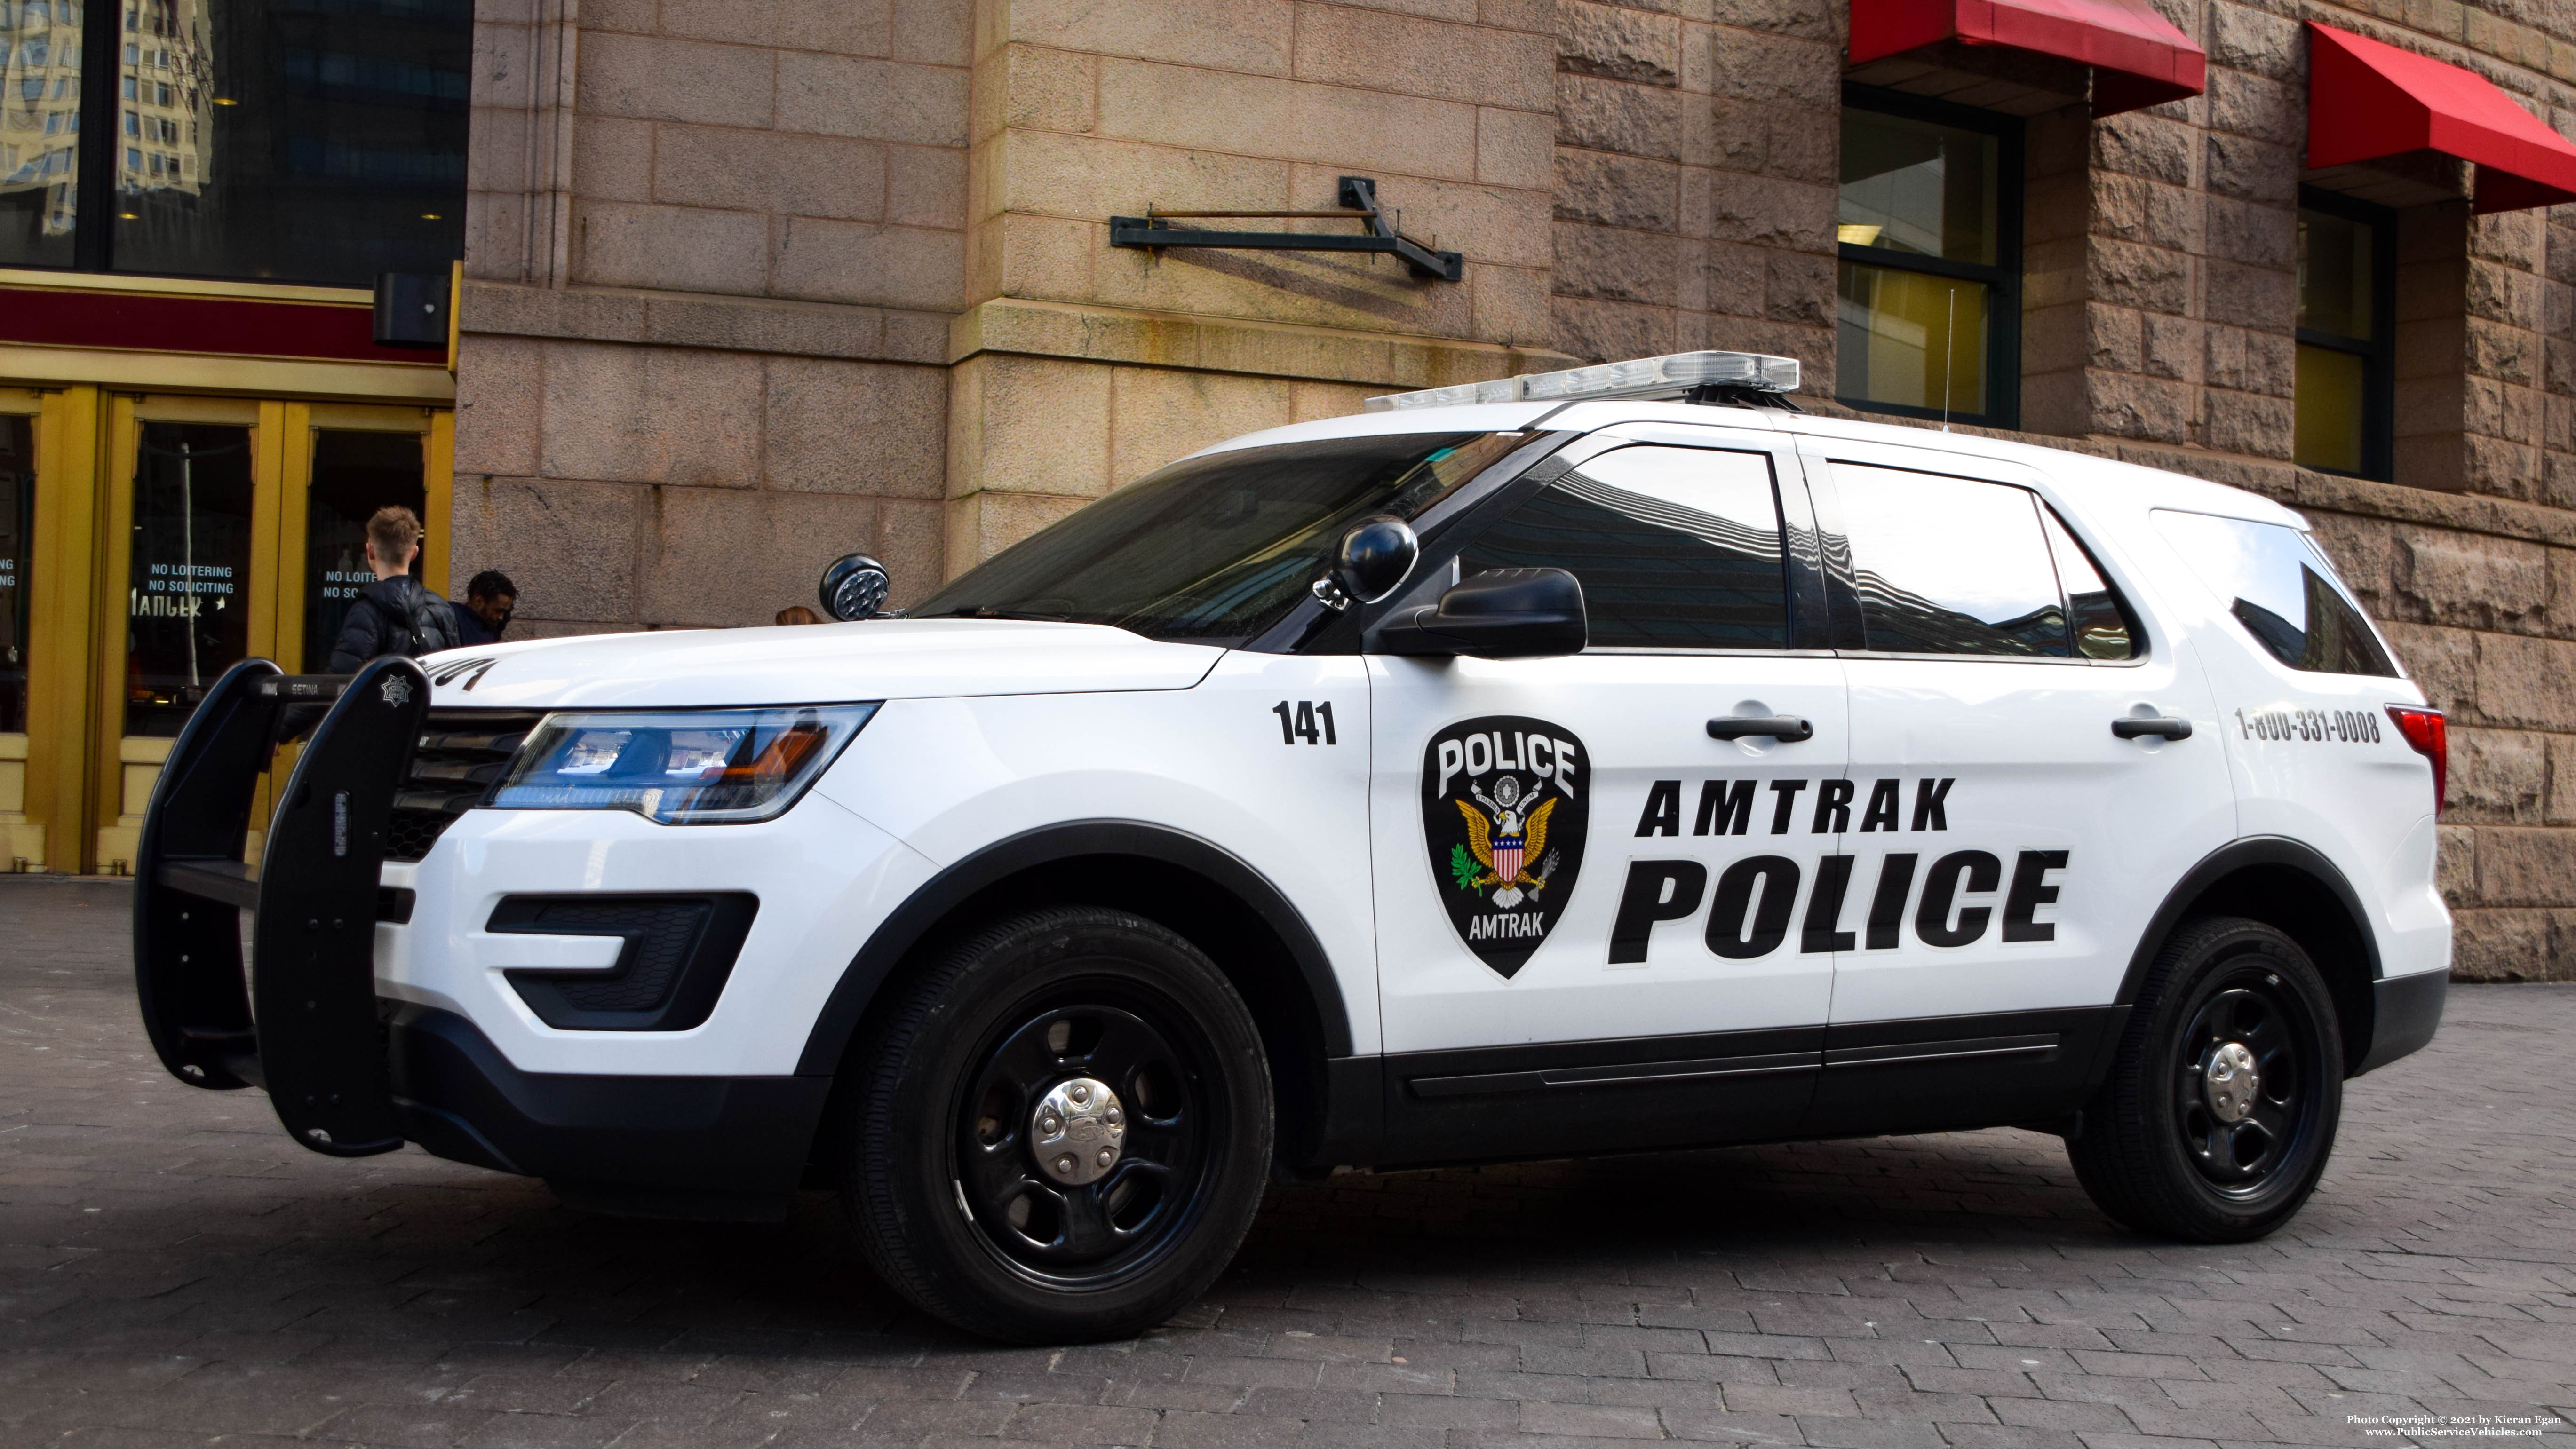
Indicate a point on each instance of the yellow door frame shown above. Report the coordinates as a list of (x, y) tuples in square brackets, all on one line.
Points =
[(23, 836), (64, 624), (77, 785), (438, 490), (284, 434), (83, 517), (125, 769)]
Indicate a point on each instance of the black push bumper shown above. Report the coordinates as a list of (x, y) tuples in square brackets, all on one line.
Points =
[(304, 1024), (350, 1075)]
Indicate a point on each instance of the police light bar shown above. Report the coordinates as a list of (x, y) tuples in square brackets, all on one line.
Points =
[(1676, 375)]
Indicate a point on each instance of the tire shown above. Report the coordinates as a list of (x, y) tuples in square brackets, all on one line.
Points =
[(977, 1129), (2162, 1148)]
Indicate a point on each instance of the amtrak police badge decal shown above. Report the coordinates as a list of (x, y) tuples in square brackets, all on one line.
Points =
[(1505, 803)]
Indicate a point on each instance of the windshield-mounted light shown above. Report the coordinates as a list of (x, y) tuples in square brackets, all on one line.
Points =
[(680, 766), (1672, 376)]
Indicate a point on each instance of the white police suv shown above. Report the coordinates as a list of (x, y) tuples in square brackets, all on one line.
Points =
[(1595, 761)]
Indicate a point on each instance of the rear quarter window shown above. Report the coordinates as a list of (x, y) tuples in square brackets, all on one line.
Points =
[(2281, 589)]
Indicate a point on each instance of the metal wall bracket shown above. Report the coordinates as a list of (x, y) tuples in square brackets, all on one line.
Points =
[(1358, 196)]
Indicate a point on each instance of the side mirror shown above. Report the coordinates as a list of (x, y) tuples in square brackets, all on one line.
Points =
[(1375, 557), (1498, 614), (854, 587)]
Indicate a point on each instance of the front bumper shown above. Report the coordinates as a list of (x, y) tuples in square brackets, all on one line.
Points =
[(696, 1147), (824, 880), (385, 1005)]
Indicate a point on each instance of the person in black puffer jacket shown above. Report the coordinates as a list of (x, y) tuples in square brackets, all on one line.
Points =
[(395, 614)]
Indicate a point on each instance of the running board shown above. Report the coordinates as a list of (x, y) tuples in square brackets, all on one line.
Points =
[(303, 1025)]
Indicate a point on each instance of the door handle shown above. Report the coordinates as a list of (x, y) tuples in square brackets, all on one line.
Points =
[(1786, 728), (2165, 725)]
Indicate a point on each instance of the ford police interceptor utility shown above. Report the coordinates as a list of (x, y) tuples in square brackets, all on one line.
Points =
[(1592, 761)]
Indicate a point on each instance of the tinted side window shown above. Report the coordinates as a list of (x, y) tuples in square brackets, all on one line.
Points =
[(1677, 548), (1950, 565), (2281, 589), (2095, 613)]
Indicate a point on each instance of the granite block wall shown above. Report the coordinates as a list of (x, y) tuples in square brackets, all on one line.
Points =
[(712, 254)]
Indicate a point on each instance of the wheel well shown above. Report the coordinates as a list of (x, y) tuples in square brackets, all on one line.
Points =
[(2310, 912), (1232, 933)]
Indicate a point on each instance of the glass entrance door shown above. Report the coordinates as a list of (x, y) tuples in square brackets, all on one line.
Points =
[(188, 577), (353, 473), (190, 563), (243, 523)]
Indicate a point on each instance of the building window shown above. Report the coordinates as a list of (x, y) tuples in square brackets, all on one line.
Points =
[(1928, 314), (2347, 335), (325, 142)]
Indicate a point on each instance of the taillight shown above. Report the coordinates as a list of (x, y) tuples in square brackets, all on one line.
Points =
[(2430, 734)]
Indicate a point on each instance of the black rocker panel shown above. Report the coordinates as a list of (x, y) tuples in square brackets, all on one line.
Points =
[(1638, 1094), (1942, 1073), (1569, 1098)]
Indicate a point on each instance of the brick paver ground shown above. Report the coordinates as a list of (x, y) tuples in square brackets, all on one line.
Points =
[(174, 1271)]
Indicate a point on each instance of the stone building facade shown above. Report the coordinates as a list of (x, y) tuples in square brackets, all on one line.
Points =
[(748, 287)]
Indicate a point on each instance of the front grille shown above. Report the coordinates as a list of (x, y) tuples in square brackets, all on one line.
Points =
[(463, 753)]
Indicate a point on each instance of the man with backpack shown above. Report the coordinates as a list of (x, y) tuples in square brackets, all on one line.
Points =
[(395, 614)]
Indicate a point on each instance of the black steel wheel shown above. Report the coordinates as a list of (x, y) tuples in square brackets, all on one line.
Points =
[(1094, 1199), (1062, 1131), (2242, 1093), (2222, 1104)]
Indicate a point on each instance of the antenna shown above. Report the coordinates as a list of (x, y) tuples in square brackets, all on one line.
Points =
[(1949, 351)]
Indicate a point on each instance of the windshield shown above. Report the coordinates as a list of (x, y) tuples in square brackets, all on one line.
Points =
[(1216, 549)]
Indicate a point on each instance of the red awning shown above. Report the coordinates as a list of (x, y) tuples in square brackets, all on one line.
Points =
[(2139, 58), (2367, 100)]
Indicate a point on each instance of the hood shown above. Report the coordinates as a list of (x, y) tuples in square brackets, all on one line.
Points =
[(812, 664)]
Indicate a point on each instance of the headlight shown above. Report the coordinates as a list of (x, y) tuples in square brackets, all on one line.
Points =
[(681, 766)]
